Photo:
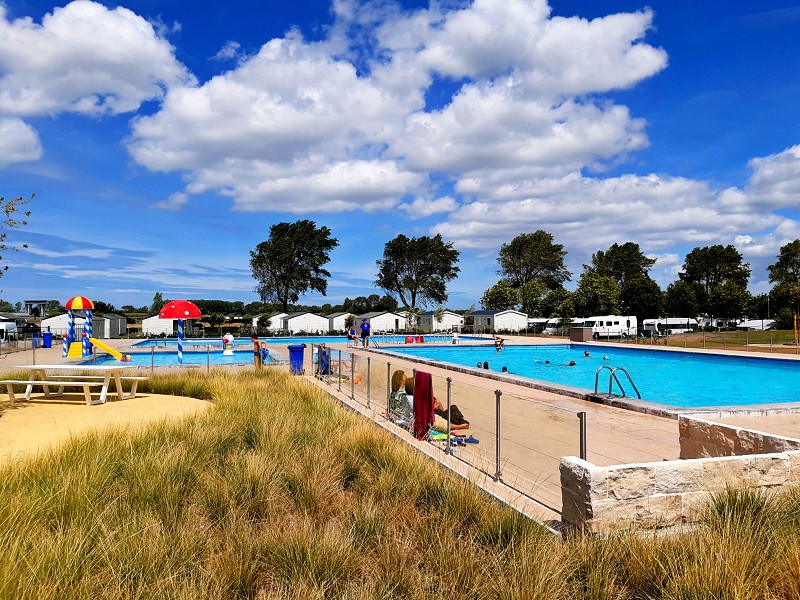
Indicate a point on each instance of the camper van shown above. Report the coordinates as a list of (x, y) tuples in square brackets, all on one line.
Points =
[(669, 326), (605, 326), (537, 325), (8, 332), (555, 326)]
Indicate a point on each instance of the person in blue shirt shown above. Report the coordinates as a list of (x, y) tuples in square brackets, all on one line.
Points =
[(352, 337), (364, 332)]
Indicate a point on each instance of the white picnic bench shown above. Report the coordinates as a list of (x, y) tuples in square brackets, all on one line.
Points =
[(65, 376)]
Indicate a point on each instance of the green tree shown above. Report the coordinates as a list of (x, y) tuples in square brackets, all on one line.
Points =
[(216, 320), (630, 268), (386, 303), (787, 268), (532, 297), (53, 308), (533, 257), (553, 304), (156, 305), (680, 300), (596, 295), (641, 296), (728, 299), (291, 261), (6, 306), (501, 296), (758, 307), (622, 263), (711, 266), (104, 307), (417, 269), (11, 210)]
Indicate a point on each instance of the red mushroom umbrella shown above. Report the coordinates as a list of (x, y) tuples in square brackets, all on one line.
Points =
[(180, 309)]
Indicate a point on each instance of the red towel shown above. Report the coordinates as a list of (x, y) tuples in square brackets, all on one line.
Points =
[(423, 404)]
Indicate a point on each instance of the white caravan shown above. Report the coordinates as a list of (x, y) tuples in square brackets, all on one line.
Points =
[(670, 325), (537, 325), (605, 326), (8, 332), (554, 326)]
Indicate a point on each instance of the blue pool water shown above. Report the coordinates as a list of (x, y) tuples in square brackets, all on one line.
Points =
[(166, 358), (680, 379)]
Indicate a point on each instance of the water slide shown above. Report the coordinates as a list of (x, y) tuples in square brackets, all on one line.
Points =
[(108, 349)]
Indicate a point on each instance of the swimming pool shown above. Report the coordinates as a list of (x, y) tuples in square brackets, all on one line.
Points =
[(241, 342), (680, 379), (167, 358)]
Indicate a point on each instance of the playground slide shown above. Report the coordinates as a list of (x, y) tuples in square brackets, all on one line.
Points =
[(106, 348)]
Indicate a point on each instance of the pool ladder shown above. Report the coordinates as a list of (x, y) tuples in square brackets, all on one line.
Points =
[(612, 377)]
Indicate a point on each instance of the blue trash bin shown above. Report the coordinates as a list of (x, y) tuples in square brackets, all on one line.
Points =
[(35, 339), (296, 358), (47, 339)]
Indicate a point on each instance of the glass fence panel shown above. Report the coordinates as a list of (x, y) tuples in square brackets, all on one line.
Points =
[(533, 435)]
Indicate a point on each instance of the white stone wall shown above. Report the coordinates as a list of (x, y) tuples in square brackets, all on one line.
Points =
[(700, 438), (673, 493)]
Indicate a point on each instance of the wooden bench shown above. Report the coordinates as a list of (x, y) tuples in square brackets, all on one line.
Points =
[(134, 379), (47, 384)]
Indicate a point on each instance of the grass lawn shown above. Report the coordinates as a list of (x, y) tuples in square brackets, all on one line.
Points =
[(279, 492)]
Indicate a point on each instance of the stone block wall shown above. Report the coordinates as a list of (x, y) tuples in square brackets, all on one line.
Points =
[(700, 438), (663, 494)]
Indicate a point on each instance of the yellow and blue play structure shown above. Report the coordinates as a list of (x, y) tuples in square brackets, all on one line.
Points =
[(79, 349)]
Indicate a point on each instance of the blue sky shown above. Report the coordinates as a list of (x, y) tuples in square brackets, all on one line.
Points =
[(163, 138)]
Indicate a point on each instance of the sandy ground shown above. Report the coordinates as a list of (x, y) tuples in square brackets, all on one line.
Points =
[(30, 427)]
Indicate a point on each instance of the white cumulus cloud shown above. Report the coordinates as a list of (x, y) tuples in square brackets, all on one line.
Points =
[(19, 142)]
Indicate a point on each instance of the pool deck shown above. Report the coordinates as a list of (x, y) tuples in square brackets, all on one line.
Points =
[(614, 435)]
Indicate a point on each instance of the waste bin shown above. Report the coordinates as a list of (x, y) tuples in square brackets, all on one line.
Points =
[(296, 358), (35, 339), (47, 339)]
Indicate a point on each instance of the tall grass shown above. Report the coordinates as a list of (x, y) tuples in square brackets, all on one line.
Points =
[(278, 492)]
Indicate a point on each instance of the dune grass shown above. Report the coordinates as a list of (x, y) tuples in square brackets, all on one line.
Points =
[(279, 492)]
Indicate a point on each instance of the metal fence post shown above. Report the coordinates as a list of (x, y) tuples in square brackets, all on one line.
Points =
[(449, 391), (352, 376), (582, 419), (152, 359), (497, 394), (369, 371), (208, 359), (388, 387), (339, 370)]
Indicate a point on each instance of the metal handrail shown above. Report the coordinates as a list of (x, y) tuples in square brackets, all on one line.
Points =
[(612, 377)]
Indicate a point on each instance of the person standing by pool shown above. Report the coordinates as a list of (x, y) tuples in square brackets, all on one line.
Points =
[(256, 351), (352, 337), (364, 332)]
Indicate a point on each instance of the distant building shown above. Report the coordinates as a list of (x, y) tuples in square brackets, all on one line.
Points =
[(104, 325), (154, 326), (336, 321), (306, 322), (383, 321), (36, 308), (450, 321), (272, 322), (498, 320)]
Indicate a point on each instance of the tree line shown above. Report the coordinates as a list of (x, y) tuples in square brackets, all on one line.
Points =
[(532, 273)]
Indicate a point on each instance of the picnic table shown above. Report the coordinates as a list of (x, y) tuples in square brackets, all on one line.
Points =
[(83, 376)]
